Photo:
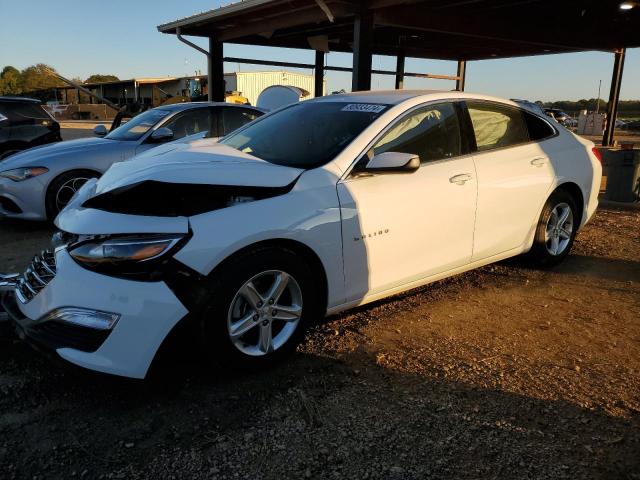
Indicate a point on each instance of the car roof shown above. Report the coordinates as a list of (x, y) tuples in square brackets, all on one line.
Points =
[(20, 99), (397, 97), (179, 107), (388, 97)]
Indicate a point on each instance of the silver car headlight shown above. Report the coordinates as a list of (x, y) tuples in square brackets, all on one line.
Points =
[(20, 174), (124, 254)]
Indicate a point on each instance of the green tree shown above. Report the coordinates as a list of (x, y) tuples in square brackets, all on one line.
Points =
[(99, 78), (10, 81), (39, 77)]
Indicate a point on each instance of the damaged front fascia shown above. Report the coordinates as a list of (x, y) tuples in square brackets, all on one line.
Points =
[(164, 199)]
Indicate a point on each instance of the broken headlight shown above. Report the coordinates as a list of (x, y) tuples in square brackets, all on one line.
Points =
[(125, 254)]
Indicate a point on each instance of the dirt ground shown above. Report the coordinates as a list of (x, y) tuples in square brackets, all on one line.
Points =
[(505, 372), (72, 130)]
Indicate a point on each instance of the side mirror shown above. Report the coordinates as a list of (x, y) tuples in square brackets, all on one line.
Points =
[(389, 162), (100, 131), (162, 135)]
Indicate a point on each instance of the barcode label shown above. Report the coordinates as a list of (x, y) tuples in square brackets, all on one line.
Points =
[(363, 107)]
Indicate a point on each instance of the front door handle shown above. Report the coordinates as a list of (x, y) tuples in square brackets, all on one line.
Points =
[(538, 162), (460, 179)]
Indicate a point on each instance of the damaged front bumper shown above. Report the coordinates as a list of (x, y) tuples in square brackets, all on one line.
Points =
[(143, 312)]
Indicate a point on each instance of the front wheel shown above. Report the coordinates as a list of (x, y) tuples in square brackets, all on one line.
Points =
[(556, 230), (63, 188), (262, 302)]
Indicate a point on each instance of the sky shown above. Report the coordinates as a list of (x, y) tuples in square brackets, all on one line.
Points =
[(82, 37)]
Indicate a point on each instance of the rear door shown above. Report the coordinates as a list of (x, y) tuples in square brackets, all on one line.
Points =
[(232, 118), (514, 175)]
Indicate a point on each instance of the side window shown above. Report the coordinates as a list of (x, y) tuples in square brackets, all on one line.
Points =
[(23, 113), (432, 133), (497, 126), (235, 117), (190, 122), (538, 128)]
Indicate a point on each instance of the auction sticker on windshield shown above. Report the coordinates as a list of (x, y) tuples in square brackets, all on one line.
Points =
[(363, 107)]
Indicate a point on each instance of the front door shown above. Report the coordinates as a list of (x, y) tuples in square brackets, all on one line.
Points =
[(401, 227)]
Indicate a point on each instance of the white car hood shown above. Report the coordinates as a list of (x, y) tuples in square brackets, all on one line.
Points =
[(200, 162)]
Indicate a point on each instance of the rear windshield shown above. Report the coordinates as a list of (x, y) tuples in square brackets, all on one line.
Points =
[(305, 135), (135, 128), (17, 111)]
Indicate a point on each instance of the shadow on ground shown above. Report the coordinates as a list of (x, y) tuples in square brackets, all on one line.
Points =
[(315, 416)]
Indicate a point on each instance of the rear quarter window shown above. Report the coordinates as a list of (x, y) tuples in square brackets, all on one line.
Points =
[(538, 128)]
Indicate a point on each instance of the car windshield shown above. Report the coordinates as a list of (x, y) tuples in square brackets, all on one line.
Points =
[(135, 128), (305, 135)]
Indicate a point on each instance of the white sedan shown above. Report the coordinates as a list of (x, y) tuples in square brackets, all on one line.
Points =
[(308, 211)]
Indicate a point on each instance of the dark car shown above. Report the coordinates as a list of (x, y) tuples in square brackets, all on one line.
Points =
[(634, 125), (25, 124)]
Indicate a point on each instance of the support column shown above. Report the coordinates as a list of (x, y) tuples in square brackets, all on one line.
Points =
[(318, 79), (400, 71), (362, 51), (614, 96), (215, 71), (462, 73)]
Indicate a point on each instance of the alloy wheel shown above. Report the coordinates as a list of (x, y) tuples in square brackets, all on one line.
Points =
[(559, 229), (264, 313), (67, 190)]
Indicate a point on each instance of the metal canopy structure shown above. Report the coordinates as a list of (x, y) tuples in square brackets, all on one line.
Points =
[(459, 30)]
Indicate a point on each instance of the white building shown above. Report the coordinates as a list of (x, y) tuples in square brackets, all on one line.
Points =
[(251, 84)]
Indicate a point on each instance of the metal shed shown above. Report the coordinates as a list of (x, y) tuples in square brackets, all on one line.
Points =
[(460, 30), (251, 84)]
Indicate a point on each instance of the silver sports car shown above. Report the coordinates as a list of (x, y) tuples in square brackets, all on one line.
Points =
[(37, 183)]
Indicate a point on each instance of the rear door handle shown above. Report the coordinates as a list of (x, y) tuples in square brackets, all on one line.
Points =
[(460, 179), (538, 162)]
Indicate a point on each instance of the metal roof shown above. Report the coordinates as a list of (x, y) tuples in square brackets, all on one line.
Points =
[(444, 29)]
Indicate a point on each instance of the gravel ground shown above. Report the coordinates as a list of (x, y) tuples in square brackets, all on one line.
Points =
[(505, 372)]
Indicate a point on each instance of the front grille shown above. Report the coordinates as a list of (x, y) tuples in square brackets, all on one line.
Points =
[(37, 276)]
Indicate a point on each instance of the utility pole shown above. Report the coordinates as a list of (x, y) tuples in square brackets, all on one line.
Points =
[(598, 100)]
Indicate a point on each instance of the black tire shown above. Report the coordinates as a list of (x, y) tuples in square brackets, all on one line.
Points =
[(52, 203), (226, 283), (541, 251)]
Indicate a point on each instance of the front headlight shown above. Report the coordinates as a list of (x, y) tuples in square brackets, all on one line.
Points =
[(20, 174), (125, 254)]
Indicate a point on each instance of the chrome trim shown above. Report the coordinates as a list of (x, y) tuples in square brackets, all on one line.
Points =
[(36, 277), (8, 282), (25, 283), (31, 271)]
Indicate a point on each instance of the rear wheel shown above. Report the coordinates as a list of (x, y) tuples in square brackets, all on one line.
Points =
[(63, 188), (556, 230), (262, 302)]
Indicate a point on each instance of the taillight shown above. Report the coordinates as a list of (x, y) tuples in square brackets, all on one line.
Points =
[(597, 153)]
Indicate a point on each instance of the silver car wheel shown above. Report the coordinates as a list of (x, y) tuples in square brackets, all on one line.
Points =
[(67, 190), (264, 313), (559, 229)]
